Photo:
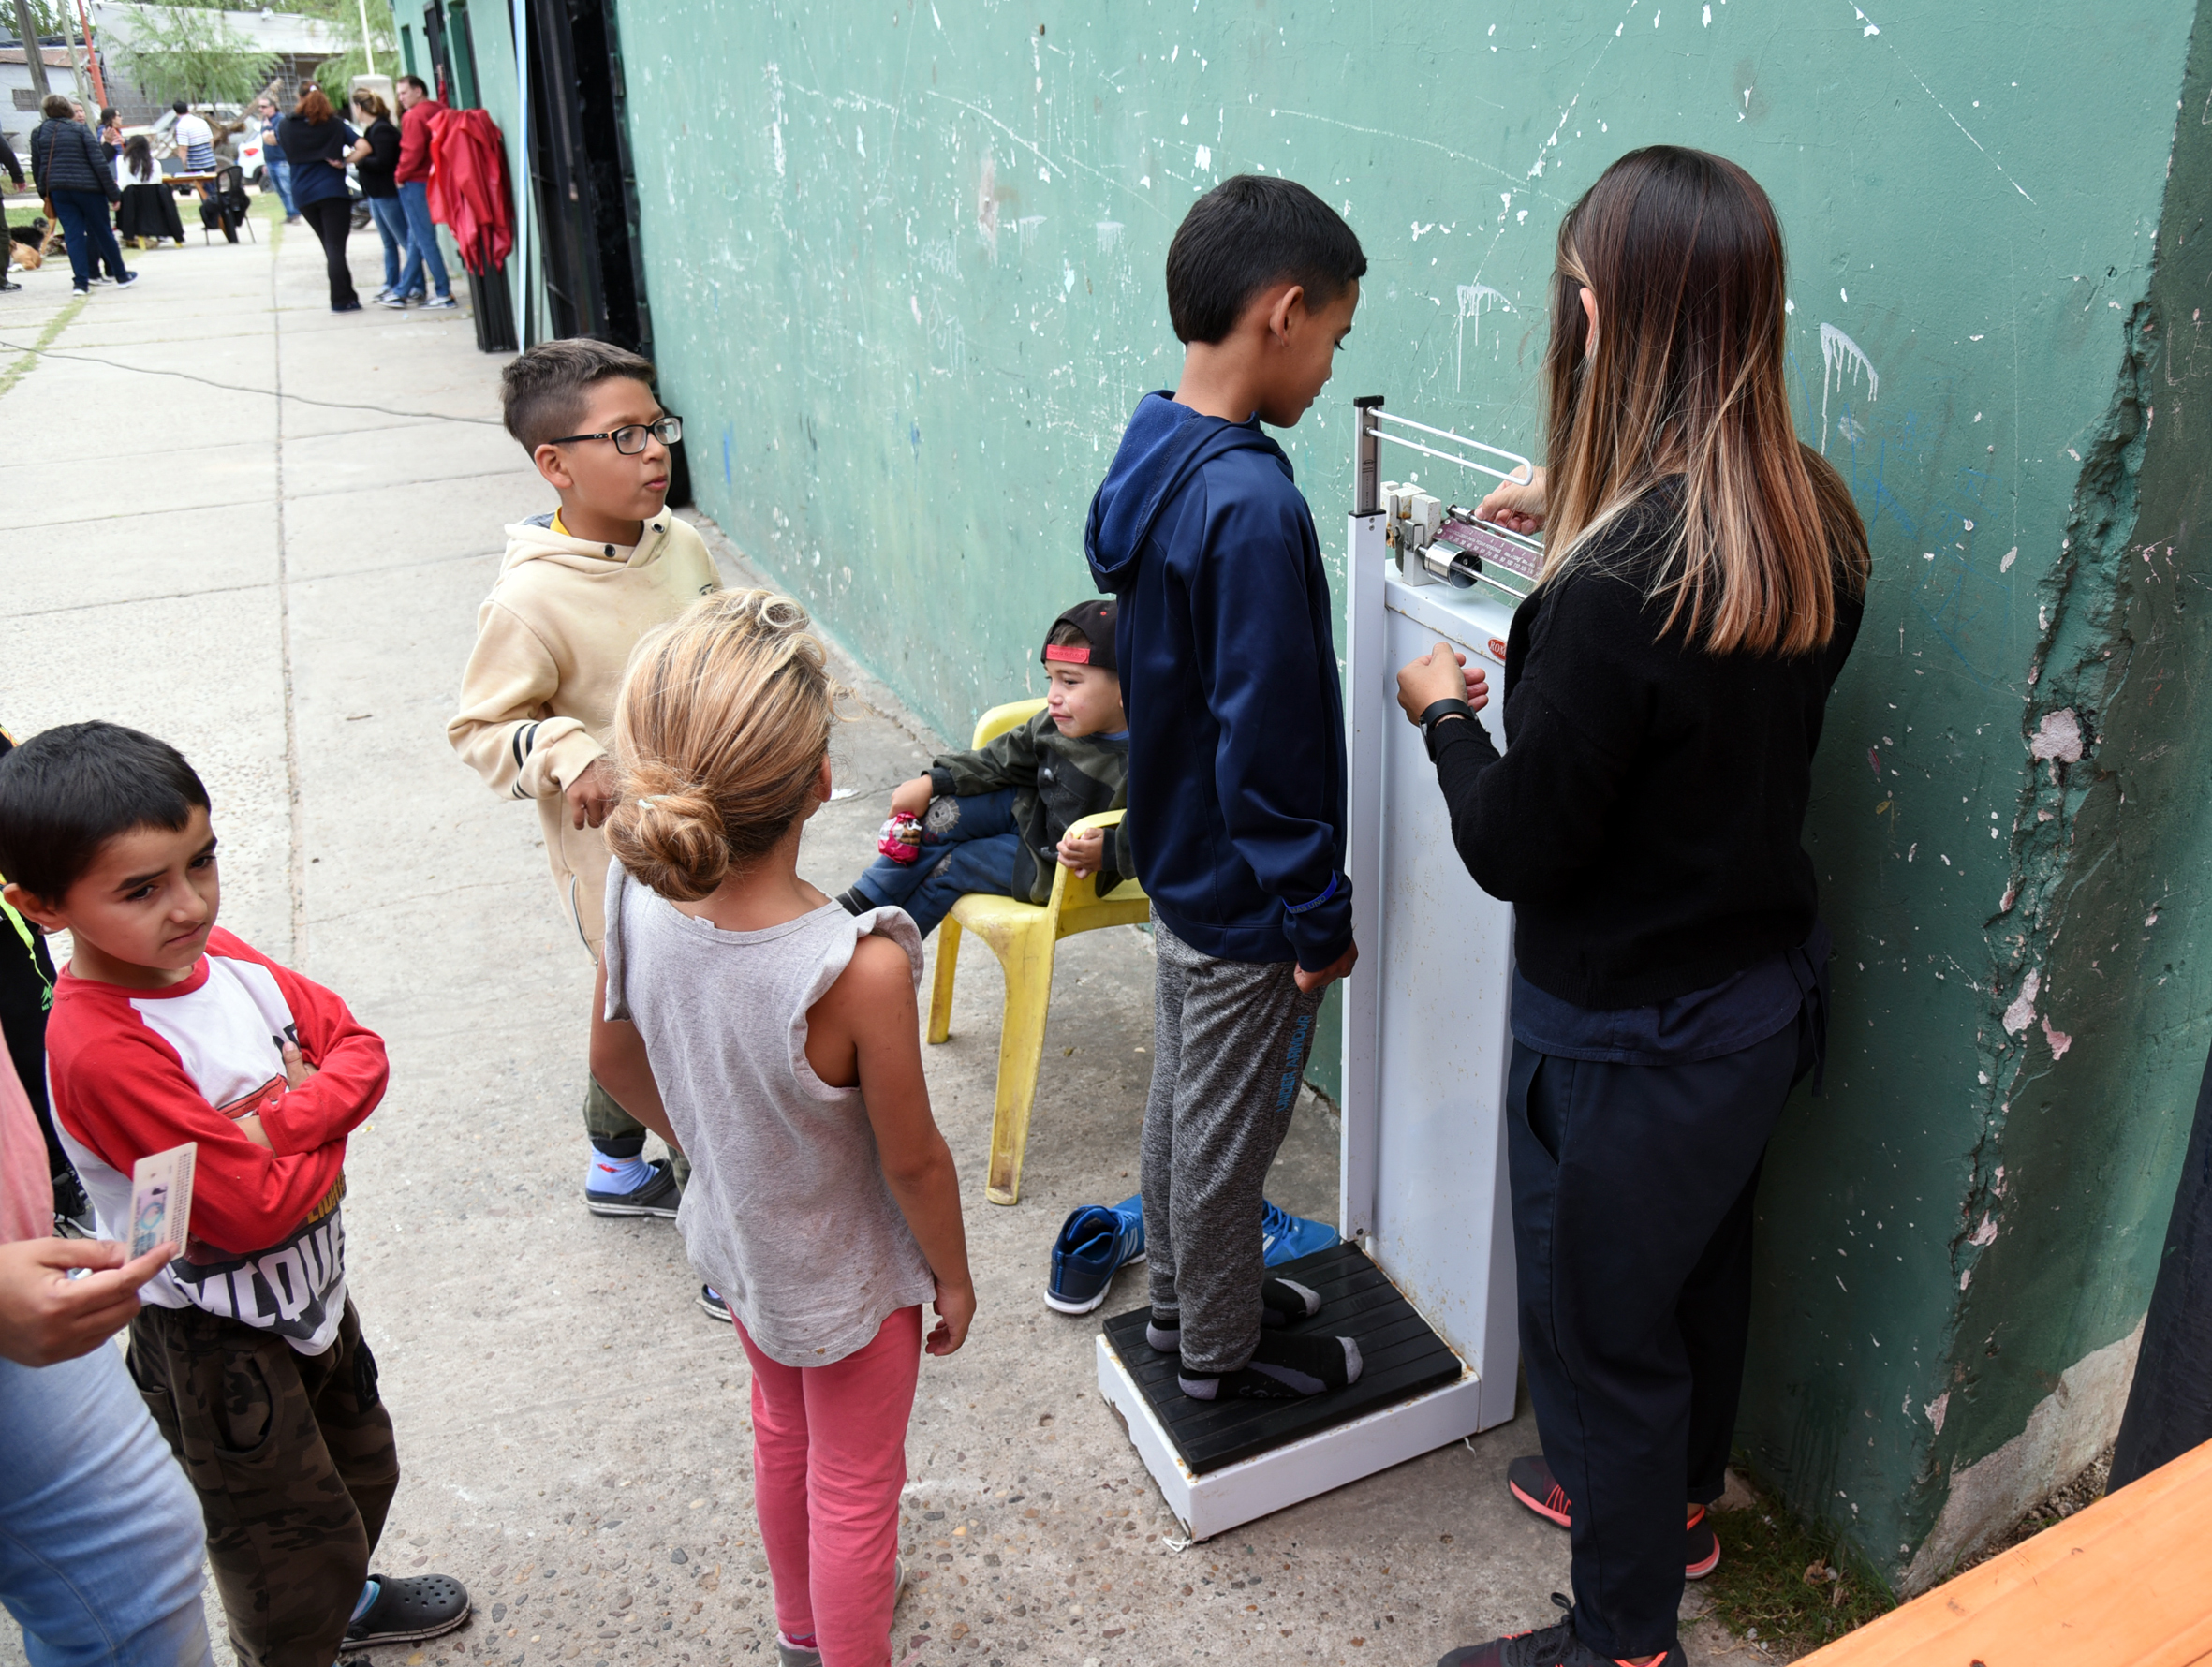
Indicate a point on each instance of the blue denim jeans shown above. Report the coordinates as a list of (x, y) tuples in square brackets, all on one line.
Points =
[(88, 233), (278, 167), (967, 845), (100, 1534), (423, 256), (392, 226)]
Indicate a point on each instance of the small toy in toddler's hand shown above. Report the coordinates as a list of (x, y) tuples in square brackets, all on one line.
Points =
[(901, 838)]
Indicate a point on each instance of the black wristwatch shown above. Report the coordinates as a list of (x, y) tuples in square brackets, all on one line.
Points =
[(1436, 713)]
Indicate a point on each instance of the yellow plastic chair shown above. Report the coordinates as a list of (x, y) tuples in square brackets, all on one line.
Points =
[(1024, 936)]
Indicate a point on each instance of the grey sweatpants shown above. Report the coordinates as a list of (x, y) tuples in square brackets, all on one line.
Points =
[(1229, 1044)]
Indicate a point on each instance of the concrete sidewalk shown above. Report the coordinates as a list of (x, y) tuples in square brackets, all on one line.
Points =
[(280, 573)]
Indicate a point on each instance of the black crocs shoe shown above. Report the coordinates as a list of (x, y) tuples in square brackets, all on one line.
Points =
[(659, 1196), (1555, 1646), (417, 1606)]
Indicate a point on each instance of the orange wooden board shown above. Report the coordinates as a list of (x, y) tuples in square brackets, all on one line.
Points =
[(2127, 1582)]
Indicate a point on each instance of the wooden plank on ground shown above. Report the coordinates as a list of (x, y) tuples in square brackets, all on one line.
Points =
[(2127, 1582)]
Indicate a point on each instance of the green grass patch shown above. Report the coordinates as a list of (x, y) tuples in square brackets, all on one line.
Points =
[(1790, 1588), (55, 326)]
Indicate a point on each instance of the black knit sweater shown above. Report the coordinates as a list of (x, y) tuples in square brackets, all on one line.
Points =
[(1645, 820)]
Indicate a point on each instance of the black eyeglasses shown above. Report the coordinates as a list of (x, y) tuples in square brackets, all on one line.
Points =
[(631, 438)]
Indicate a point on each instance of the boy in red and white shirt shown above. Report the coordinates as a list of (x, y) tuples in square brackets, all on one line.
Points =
[(166, 1029)]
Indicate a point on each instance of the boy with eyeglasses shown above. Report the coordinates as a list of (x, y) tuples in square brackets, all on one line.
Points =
[(577, 590)]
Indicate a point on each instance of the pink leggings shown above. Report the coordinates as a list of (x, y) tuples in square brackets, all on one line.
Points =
[(829, 1461)]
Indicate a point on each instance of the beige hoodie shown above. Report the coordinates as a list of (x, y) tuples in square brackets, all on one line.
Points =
[(538, 699)]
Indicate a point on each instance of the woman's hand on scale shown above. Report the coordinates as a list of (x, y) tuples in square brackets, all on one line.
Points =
[(1440, 674), (1517, 506)]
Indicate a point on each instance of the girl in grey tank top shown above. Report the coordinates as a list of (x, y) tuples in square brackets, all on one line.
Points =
[(788, 1214), (776, 1041)]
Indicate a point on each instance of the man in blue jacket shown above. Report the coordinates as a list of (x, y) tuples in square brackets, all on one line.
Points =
[(1236, 764)]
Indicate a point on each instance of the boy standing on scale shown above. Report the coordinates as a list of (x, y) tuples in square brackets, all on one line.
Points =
[(1236, 765)]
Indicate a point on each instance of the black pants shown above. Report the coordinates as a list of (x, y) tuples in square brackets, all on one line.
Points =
[(332, 220), (1633, 1194)]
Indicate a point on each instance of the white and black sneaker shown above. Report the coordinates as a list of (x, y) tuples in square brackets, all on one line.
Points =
[(659, 1196)]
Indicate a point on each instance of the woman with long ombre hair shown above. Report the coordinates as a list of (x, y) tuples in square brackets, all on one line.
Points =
[(1704, 578)]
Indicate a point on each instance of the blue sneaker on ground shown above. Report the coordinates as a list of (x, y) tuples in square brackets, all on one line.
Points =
[(1284, 1237), (1094, 1242)]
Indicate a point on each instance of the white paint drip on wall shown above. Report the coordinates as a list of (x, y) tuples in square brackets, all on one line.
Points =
[(1109, 236), (1841, 360), (776, 117), (987, 202), (1473, 299)]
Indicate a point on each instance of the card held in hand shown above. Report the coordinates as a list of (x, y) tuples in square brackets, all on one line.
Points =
[(161, 1198)]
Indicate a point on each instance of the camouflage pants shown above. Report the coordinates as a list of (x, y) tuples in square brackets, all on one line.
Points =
[(293, 1460), (615, 1131)]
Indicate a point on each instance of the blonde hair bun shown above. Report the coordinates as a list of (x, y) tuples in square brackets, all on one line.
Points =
[(677, 838), (720, 730)]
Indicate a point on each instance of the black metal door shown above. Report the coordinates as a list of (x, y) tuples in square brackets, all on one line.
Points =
[(583, 188)]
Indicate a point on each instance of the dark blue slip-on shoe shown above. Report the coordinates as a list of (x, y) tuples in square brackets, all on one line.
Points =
[(1284, 1237), (1094, 1242)]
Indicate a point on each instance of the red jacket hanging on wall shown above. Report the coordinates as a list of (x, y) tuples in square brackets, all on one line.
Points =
[(469, 187)]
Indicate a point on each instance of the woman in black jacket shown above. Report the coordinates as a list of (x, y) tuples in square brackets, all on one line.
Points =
[(1703, 579), (74, 176), (316, 143)]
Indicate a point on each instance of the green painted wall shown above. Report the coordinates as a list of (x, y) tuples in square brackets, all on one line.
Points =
[(904, 262)]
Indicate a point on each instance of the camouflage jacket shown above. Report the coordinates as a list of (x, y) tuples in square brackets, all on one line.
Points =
[(1057, 779)]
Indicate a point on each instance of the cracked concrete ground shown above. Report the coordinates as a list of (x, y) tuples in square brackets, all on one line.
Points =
[(288, 590)]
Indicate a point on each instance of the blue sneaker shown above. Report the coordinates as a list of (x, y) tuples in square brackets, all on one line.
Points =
[(1094, 1242), (1284, 1237)]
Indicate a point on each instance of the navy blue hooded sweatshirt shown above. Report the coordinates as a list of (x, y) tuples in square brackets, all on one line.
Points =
[(1228, 674)]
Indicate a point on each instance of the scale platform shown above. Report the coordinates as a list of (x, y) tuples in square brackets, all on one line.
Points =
[(1222, 1463)]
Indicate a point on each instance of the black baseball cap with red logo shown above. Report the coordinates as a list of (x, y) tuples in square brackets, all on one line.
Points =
[(1095, 621)]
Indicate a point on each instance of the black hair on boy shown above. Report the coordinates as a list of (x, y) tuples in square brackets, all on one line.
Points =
[(541, 392), (1249, 233), (68, 790)]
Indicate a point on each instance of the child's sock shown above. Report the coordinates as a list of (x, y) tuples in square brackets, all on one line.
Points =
[(1163, 1330), (1281, 1369), (809, 1642), (368, 1598), (1281, 1301), (621, 1170)]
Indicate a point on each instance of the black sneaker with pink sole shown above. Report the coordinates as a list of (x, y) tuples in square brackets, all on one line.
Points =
[(1555, 1646), (1533, 1483)]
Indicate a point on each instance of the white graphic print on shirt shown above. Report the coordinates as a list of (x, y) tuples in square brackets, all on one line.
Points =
[(230, 1035)]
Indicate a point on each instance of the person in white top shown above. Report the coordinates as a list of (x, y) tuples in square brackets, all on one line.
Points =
[(195, 140)]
